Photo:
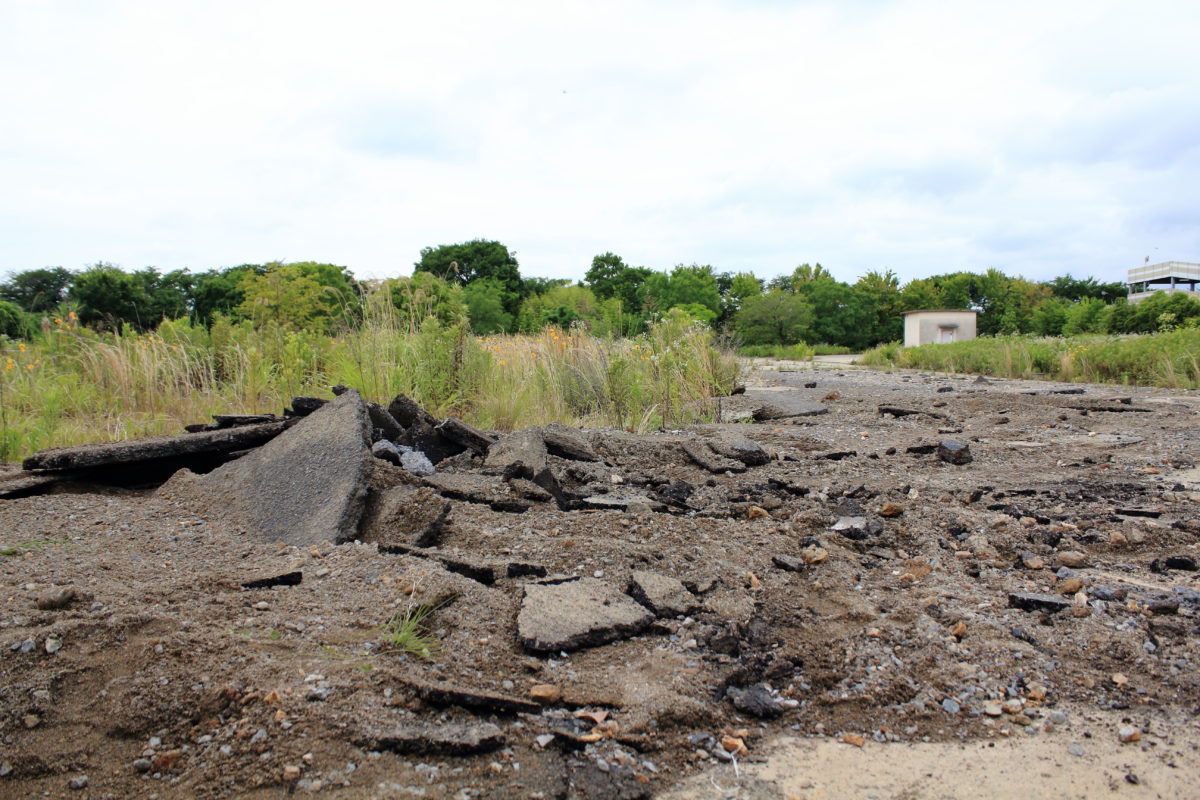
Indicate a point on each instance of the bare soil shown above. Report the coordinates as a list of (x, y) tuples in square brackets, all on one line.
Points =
[(886, 656)]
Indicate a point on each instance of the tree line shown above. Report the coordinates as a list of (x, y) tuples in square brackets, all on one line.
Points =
[(479, 283)]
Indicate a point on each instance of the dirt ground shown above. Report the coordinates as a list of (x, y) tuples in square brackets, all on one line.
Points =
[(890, 624)]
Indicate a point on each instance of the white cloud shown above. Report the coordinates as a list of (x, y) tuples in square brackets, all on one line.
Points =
[(916, 136)]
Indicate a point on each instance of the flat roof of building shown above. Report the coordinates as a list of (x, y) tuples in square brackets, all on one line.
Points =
[(1165, 269), (942, 311)]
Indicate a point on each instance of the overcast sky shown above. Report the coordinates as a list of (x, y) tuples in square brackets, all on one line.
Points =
[(923, 137)]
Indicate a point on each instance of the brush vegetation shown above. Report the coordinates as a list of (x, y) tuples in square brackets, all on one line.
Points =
[(70, 384), (1170, 359)]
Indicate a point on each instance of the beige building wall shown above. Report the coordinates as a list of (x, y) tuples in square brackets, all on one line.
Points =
[(943, 327)]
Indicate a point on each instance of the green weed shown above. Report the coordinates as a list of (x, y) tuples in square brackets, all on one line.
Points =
[(406, 631), (33, 544)]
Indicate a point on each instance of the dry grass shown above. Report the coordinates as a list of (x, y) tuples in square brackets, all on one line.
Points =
[(73, 386)]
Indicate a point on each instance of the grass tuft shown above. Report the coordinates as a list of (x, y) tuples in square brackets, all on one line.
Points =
[(407, 632)]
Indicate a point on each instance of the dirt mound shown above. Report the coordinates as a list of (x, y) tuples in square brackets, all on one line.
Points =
[(590, 613)]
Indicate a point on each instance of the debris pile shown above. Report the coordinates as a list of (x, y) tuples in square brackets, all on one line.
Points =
[(358, 594)]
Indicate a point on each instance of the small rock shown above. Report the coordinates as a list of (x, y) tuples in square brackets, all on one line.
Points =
[(993, 708), (1075, 749), (31, 720), (291, 773), (734, 745), (1072, 558), (813, 554), (953, 451), (55, 599), (142, 765), (167, 760), (662, 594), (756, 701), (756, 512), (53, 645), (1129, 734), (852, 738), (787, 562), (851, 527), (1032, 561), (891, 510), (1069, 586), (78, 782), (951, 706), (545, 693)]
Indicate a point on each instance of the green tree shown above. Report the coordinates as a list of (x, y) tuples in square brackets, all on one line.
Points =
[(168, 296), (562, 306), (110, 297), (841, 316), (37, 290), (1089, 315), (484, 307), (221, 291), (1050, 317), (474, 260), (776, 317), (734, 289), (603, 274), (304, 295), (14, 322), (881, 293), (921, 294)]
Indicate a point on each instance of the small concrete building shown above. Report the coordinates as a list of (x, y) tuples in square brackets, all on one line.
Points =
[(938, 327)]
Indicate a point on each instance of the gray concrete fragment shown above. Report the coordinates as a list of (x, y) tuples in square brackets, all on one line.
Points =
[(383, 422), (576, 614), (517, 455), (953, 451), (621, 501), (740, 448), (134, 451), (566, 442), (702, 454), (466, 435), (486, 489), (772, 404), (428, 738), (662, 594), (306, 486)]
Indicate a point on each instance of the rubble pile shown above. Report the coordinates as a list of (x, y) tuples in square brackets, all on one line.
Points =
[(358, 595)]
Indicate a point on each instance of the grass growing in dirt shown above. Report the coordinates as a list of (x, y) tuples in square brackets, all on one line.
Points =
[(1169, 360), (71, 385), (406, 631), (34, 544)]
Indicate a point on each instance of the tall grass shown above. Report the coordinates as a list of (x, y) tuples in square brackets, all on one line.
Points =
[(1162, 359), (72, 385)]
